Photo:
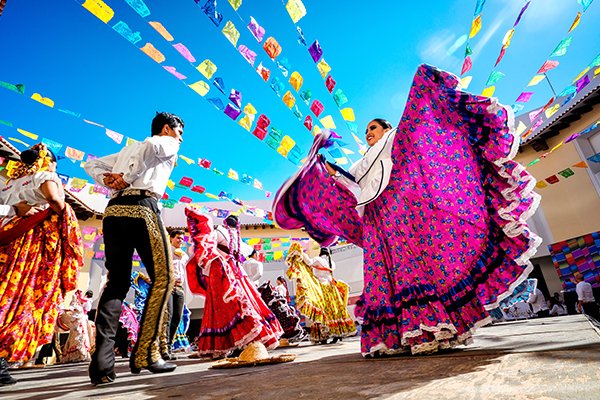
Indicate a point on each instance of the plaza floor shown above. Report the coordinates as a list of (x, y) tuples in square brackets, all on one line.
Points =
[(551, 358)]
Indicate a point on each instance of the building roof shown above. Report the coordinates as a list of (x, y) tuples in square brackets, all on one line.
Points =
[(569, 112), (82, 210)]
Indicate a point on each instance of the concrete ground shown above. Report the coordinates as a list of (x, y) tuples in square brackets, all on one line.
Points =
[(542, 359)]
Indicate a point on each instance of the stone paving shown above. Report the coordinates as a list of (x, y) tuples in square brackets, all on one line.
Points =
[(542, 359)]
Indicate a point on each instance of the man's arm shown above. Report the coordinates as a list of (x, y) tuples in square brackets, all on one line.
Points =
[(100, 167), (150, 154)]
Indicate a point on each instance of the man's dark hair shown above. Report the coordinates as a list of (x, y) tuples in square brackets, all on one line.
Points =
[(163, 118), (176, 232)]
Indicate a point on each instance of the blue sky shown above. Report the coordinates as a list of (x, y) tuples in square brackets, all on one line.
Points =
[(62, 51)]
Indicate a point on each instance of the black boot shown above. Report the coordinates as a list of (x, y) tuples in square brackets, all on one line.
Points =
[(5, 378)]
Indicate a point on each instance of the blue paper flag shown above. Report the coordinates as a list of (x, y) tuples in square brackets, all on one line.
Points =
[(219, 84), (210, 9), (140, 7), (127, 33), (217, 103)]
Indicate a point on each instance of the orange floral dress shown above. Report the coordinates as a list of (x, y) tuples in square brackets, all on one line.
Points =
[(36, 270)]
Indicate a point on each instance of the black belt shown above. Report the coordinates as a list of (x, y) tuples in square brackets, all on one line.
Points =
[(134, 192)]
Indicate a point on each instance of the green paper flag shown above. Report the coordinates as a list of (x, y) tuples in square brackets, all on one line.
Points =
[(339, 97), (468, 50), (561, 49), (15, 88), (565, 173), (537, 160), (6, 123), (494, 77)]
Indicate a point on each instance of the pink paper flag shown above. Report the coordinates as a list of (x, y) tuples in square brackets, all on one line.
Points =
[(185, 52), (74, 154), (524, 97), (467, 65), (547, 66), (117, 137), (534, 114), (173, 71)]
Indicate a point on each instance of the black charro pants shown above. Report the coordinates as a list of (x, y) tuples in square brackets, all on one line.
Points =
[(174, 312), (132, 223)]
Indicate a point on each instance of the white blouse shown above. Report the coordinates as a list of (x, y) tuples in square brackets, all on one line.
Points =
[(27, 188), (324, 276)]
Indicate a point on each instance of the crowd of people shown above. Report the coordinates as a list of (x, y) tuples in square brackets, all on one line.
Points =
[(439, 214)]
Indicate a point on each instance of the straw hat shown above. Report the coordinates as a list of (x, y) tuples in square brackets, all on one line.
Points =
[(254, 354), (283, 342)]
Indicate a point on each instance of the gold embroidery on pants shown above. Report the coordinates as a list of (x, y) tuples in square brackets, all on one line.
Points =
[(154, 320)]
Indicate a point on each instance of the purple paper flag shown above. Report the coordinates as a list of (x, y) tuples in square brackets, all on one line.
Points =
[(173, 71), (117, 137), (257, 31), (236, 98), (184, 51), (534, 114), (583, 82), (315, 51), (524, 97), (521, 14), (232, 111), (248, 54)]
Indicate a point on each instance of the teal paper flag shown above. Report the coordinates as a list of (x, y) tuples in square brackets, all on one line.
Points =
[(562, 47), (494, 77)]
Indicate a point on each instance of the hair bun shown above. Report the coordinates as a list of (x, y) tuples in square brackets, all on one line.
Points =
[(29, 156)]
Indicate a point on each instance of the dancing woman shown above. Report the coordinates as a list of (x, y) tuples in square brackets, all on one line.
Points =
[(40, 256), (441, 216)]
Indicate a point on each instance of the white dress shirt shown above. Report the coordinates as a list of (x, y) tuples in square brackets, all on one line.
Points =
[(145, 165), (537, 301), (585, 292), (180, 260), (558, 310), (254, 270), (281, 290)]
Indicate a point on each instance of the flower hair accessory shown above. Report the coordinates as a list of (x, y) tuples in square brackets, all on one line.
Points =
[(40, 164)]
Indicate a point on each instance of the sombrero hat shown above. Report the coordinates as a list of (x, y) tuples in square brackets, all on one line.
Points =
[(255, 354), (283, 342)]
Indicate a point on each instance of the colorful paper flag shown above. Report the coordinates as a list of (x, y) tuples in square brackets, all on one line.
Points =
[(44, 100), (257, 31), (562, 47), (348, 114), (467, 65), (315, 51), (566, 173), (465, 82), (124, 30), (158, 27), (328, 122), (200, 87), (99, 9), (185, 52), (74, 154), (535, 80), (272, 48), (231, 33), (323, 68), (173, 71), (524, 97), (547, 66), (494, 77), (541, 185), (153, 53), (475, 26), (552, 179), (207, 68), (27, 134), (296, 10), (488, 91)]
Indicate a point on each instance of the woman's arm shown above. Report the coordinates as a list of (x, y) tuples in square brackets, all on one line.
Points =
[(53, 195)]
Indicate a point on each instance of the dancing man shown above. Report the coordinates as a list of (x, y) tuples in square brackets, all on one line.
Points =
[(138, 177)]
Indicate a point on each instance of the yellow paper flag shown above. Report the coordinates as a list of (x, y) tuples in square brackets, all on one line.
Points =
[(162, 30), (130, 141), (278, 255), (575, 21), (207, 68), (296, 10), (18, 141), (327, 122), (552, 110), (347, 151), (235, 4), (253, 241), (171, 184), (541, 184), (100, 9), (596, 72), (556, 147), (508, 37), (348, 114), (488, 91), (211, 196), (188, 160), (200, 87), (465, 82), (154, 54), (323, 68), (521, 128), (581, 74), (28, 134), (475, 26), (231, 33), (44, 100), (289, 99), (232, 174), (316, 129), (245, 122), (287, 143), (535, 80), (341, 161), (283, 151), (296, 80), (250, 110)]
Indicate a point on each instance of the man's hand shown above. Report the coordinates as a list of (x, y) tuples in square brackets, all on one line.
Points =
[(114, 181), (25, 210)]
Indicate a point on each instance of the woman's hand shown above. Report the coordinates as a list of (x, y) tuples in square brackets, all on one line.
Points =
[(328, 166)]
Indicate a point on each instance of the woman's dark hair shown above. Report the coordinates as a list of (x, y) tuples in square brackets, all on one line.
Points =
[(29, 156), (326, 252), (384, 123), (232, 221), (253, 253), (280, 279), (553, 302), (164, 118)]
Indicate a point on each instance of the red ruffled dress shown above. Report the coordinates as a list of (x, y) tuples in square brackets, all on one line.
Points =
[(234, 313)]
